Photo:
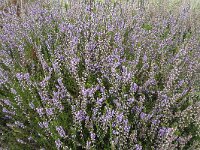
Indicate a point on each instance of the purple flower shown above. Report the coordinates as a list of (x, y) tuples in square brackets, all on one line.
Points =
[(120, 117), (40, 111), (142, 115), (134, 87), (61, 131), (138, 147), (164, 131), (130, 100), (8, 112), (26, 76), (100, 101), (19, 76), (58, 144), (145, 58), (180, 83), (7, 102), (80, 115), (92, 135), (46, 124), (49, 111)]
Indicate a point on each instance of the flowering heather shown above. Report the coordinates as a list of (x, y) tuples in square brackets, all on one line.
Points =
[(100, 75)]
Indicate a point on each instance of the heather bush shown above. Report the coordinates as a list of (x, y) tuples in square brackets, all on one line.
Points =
[(100, 75)]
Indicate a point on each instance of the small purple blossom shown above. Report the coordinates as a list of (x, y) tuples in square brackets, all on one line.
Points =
[(134, 87), (120, 117), (80, 115), (93, 136), (164, 131), (61, 131), (100, 101), (58, 143), (138, 147), (40, 111), (50, 111)]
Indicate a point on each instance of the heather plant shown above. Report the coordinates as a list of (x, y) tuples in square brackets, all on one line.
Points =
[(99, 75)]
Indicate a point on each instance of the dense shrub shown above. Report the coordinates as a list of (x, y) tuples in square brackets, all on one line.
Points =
[(99, 76)]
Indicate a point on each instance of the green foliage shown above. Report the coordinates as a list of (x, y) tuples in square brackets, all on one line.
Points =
[(147, 26)]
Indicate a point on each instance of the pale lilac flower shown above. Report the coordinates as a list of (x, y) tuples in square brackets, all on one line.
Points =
[(134, 87), (120, 117), (58, 143), (100, 101), (61, 131), (46, 124), (164, 131), (138, 147), (40, 111), (93, 136), (7, 102), (80, 115), (19, 76), (50, 111)]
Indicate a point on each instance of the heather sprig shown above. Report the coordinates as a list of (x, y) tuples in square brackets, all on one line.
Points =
[(99, 75)]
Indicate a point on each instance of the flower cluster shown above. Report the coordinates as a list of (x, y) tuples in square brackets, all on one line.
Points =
[(100, 75)]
